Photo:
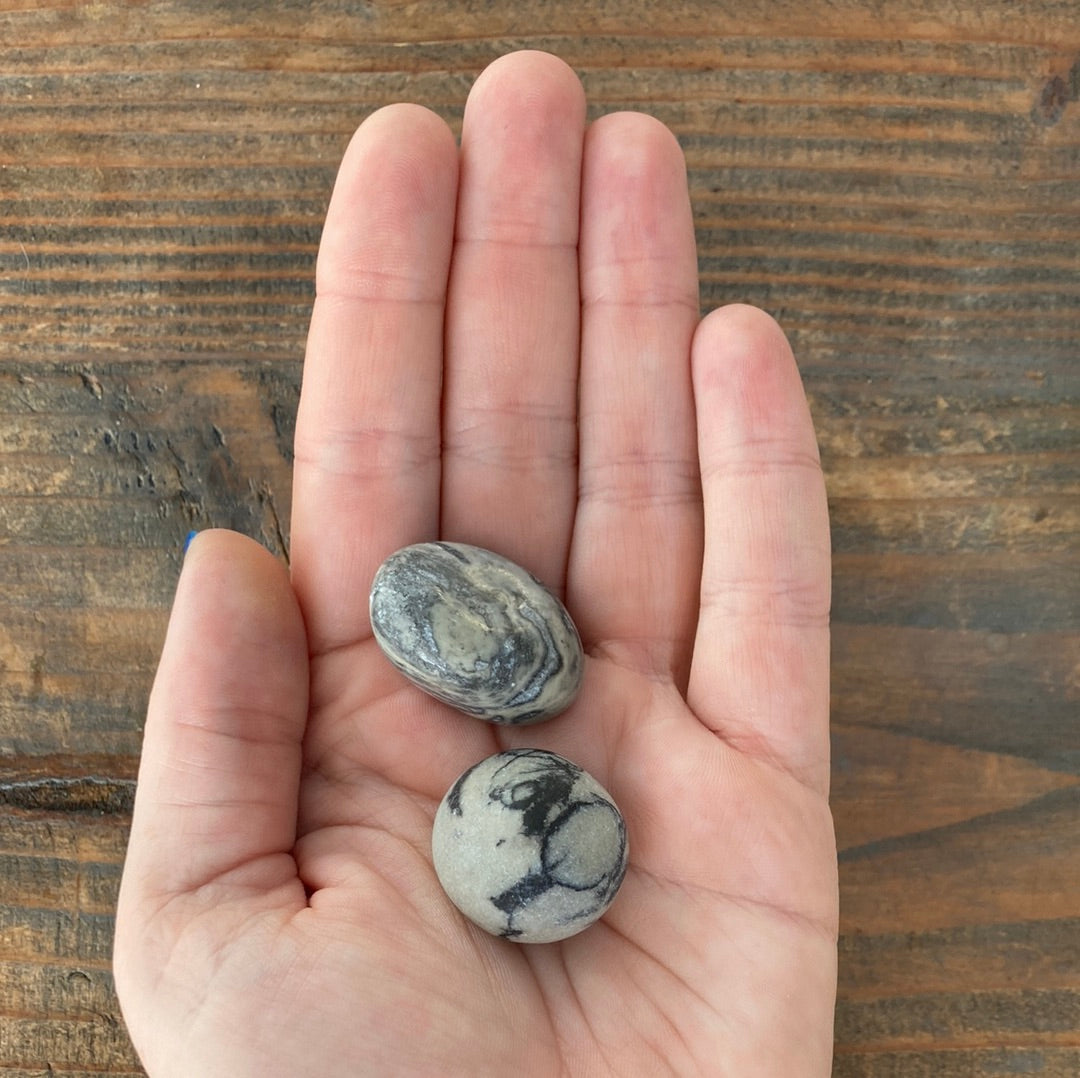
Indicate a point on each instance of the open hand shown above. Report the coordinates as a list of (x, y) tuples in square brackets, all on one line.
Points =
[(505, 350)]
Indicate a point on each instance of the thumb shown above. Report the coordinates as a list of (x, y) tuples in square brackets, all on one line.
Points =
[(220, 769)]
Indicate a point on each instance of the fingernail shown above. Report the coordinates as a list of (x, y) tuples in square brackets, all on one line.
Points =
[(187, 542)]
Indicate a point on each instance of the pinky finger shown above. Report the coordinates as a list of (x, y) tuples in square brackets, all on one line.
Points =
[(760, 672)]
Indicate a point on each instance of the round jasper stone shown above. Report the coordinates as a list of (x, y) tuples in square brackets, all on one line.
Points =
[(476, 631), (529, 846)]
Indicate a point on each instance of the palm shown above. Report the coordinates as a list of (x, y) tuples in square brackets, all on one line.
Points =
[(314, 937), (669, 977)]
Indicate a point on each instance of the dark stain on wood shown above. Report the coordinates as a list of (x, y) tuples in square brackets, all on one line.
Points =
[(1057, 93)]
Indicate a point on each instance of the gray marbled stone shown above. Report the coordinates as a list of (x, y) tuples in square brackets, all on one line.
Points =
[(529, 846), (476, 631)]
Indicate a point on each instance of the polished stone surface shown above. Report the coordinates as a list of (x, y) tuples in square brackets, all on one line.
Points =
[(476, 631), (529, 846)]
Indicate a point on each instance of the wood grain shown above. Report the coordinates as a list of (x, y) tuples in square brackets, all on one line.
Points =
[(899, 184)]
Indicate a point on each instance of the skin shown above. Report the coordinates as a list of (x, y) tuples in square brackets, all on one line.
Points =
[(505, 350)]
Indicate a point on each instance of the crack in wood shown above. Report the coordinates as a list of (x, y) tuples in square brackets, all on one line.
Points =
[(86, 794)]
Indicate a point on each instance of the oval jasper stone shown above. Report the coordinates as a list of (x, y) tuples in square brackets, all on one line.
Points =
[(529, 846), (476, 631)]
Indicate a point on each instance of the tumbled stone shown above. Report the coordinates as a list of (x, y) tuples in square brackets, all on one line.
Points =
[(529, 846), (476, 631)]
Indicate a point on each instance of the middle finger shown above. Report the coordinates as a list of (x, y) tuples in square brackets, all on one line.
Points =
[(510, 391)]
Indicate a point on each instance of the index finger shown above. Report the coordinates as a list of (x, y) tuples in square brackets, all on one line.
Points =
[(367, 462)]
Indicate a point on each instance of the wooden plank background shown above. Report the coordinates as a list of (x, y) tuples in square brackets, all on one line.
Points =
[(898, 183)]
